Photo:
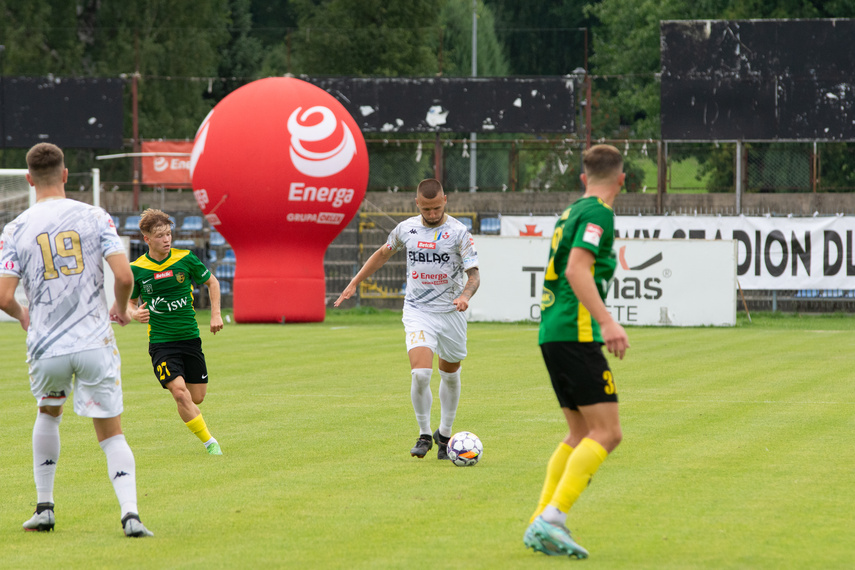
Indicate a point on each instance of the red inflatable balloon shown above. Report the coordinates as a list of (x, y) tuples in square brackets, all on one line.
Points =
[(279, 167)]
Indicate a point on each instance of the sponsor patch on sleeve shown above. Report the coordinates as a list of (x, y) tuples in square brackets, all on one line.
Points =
[(592, 234)]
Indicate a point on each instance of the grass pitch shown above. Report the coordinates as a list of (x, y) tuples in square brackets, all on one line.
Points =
[(737, 453)]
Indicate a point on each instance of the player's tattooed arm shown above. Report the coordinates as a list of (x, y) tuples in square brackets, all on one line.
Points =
[(472, 283), (462, 302)]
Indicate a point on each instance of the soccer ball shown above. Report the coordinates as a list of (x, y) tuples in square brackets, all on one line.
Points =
[(465, 449)]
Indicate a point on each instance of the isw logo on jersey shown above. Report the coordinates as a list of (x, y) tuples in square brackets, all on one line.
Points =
[(319, 164), (160, 305)]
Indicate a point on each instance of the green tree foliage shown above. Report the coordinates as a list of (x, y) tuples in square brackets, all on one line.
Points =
[(366, 38), (455, 22), (546, 37)]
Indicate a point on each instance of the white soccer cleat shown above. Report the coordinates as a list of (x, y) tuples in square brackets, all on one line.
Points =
[(133, 527), (43, 521)]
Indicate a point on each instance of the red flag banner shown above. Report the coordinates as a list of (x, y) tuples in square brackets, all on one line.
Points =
[(167, 170)]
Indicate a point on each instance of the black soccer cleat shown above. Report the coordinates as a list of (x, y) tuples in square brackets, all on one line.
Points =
[(422, 446), (442, 444)]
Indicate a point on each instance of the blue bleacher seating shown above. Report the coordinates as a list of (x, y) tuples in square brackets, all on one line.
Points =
[(132, 225), (217, 239), (490, 226), (115, 221), (184, 244), (466, 221), (191, 224), (229, 256), (172, 221), (225, 288), (225, 271)]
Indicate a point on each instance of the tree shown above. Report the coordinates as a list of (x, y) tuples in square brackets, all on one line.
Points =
[(455, 22), (546, 37), (371, 37)]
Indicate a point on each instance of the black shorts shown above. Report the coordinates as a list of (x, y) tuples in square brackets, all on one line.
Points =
[(580, 373), (179, 358)]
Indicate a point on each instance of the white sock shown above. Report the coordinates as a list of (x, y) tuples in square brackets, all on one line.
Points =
[(122, 469), (449, 397), (553, 516), (422, 397), (45, 454)]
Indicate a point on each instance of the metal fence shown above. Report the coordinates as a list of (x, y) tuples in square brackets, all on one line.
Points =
[(554, 165)]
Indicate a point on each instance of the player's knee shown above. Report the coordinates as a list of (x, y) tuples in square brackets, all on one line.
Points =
[(614, 437), (198, 398)]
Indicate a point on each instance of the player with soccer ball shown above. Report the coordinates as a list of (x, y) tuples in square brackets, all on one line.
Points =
[(574, 325), (440, 251)]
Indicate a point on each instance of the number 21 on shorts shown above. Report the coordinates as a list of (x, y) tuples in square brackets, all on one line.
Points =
[(162, 370)]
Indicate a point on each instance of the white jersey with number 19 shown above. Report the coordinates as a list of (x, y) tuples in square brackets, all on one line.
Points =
[(437, 259), (56, 248)]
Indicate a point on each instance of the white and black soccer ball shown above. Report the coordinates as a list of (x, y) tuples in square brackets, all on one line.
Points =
[(465, 449)]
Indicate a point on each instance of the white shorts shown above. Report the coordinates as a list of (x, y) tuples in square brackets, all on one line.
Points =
[(443, 333), (93, 375)]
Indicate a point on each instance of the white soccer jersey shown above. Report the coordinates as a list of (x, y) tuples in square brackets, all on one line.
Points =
[(56, 248), (437, 259)]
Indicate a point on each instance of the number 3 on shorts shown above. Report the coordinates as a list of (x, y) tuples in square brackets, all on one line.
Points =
[(417, 337), (161, 368)]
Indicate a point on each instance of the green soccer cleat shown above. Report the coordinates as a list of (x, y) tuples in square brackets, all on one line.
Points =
[(213, 448), (552, 540)]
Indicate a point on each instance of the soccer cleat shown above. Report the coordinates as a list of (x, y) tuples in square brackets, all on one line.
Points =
[(552, 540), (213, 448), (43, 520), (133, 527), (422, 446), (442, 444)]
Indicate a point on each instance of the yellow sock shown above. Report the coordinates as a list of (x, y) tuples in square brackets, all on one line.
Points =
[(583, 463), (199, 429), (554, 471)]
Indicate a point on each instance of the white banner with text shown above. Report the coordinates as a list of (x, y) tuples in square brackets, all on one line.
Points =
[(772, 253), (657, 282)]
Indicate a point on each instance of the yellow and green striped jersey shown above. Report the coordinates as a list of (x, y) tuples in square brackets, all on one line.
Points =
[(167, 287), (588, 223)]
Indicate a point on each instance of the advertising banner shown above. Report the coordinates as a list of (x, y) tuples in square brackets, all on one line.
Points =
[(772, 253), (167, 171), (657, 282)]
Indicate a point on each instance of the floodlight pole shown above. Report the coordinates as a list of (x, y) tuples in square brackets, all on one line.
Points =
[(473, 136)]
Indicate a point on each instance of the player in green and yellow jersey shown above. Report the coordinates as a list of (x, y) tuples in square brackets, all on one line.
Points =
[(574, 325), (163, 281)]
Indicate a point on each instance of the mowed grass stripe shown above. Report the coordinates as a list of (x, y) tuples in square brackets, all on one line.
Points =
[(737, 453)]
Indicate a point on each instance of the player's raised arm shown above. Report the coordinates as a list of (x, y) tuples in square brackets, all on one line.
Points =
[(377, 260)]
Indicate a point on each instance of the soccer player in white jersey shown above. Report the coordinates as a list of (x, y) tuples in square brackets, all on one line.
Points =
[(55, 249), (440, 251)]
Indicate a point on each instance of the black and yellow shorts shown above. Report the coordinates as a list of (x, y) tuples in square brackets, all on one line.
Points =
[(179, 358), (579, 372)]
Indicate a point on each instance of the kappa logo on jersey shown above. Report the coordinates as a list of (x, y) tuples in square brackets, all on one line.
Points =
[(412, 231), (324, 163), (163, 274), (644, 265), (592, 234), (427, 245)]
